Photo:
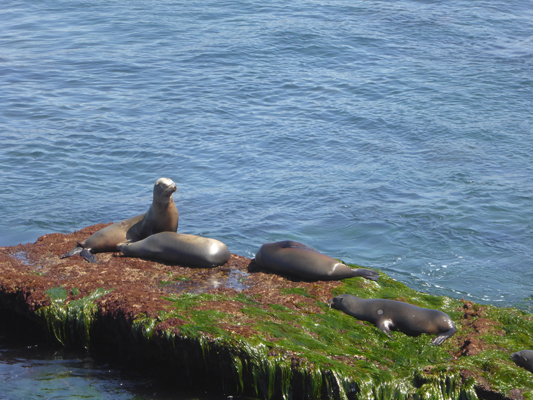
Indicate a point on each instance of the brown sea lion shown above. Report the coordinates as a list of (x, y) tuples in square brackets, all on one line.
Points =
[(396, 315), (161, 216), (179, 248), (293, 258)]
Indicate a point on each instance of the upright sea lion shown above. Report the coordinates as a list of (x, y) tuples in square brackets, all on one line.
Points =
[(179, 248), (396, 315), (293, 258), (523, 359), (161, 216)]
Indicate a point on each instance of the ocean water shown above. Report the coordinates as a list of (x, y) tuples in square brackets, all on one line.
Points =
[(395, 135), (35, 373), (31, 370)]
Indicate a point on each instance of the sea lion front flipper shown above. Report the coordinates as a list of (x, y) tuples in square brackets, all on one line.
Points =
[(384, 325), (86, 253), (442, 337), (367, 274), (76, 250)]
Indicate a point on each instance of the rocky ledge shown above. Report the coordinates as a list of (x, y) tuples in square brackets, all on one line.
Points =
[(246, 332)]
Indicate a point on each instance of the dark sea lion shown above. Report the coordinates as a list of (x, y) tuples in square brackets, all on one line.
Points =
[(293, 258), (179, 248), (396, 315), (523, 359), (161, 216)]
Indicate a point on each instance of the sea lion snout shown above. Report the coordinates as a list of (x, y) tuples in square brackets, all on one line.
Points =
[(165, 187), (335, 302), (170, 190)]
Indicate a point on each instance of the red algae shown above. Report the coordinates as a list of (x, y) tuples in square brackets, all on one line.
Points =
[(141, 286)]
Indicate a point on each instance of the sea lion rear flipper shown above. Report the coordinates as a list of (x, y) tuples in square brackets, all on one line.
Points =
[(367, 274), (76, 250), (86, 253)]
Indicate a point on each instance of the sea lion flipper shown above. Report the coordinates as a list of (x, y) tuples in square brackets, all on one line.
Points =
[(442, 337), (76, 250), (86, 253), (438, 340), (124, 243), (384, 325), (367, 274)]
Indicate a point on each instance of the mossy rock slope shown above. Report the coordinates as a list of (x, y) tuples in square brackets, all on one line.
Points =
[(250, 333)]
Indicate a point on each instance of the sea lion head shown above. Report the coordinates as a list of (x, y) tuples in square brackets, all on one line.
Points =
[(522, 358), (336, 302), (164, 188), (348, 303)]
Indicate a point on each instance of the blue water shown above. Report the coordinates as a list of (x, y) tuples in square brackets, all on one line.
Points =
[(392, 134)]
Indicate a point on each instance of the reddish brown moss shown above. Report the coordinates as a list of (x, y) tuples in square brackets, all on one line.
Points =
[(140, 286)]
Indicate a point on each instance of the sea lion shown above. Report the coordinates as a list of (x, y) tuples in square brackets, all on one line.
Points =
[(523, 359), (179, 248), (161, 216), (396, 315), (293, 258)]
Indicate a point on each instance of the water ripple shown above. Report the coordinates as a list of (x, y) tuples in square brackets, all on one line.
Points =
[(393, 135)]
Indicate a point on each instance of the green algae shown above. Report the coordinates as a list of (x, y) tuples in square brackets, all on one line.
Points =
[(327, 354), (57, 295), (512, 332), (70, 322), (370, 364), (173, 279), (443, 387), (299, 291)]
